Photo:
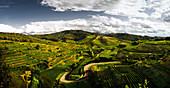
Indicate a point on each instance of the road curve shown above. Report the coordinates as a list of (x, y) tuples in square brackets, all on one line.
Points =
[(86, 69)]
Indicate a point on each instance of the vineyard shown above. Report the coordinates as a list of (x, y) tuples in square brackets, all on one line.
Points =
[(29, 54), (144, 61), (118, 76)]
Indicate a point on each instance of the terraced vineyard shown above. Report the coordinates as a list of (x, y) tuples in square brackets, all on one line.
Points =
[(26, 54), (48, 57), (119, 76)]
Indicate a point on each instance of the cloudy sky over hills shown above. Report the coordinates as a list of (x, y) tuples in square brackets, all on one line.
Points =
[(141, 17)]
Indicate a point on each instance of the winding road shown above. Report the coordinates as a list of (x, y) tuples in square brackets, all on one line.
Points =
[(86, 69)]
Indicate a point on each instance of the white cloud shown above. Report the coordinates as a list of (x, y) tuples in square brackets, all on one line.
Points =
[(7, 28), (133, 8), (10, 29), (145, 17), (101, 24), (166, 16), (78, 5)]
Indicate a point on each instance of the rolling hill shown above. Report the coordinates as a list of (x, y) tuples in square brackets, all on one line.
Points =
[(49, 56)]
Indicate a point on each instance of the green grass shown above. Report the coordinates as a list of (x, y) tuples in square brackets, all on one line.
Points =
[(119, 76), (54, 72)]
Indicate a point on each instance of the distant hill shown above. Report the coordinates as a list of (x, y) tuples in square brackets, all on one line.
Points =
[(130, 37), (77, 35), (20, 38)]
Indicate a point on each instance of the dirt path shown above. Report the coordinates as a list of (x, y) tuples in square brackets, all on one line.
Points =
[(86, 69)]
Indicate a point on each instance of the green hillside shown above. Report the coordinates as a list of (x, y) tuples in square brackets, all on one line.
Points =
[(49, 56), (75, 35)]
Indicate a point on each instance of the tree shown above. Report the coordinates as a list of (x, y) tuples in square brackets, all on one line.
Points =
[(37, 47)]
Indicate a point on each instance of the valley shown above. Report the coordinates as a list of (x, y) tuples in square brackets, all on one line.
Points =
[(79, 59)]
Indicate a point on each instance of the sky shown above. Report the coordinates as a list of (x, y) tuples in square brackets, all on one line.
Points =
[(140, 17)]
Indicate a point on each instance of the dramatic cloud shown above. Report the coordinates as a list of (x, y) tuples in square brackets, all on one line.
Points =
[(134, 8), (101, 24), (144, 17), (78, 5)]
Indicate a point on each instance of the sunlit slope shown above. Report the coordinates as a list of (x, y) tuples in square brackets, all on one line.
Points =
[(75, 35), (21, 38), (65, 47), (47, 52), (109, 45)]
